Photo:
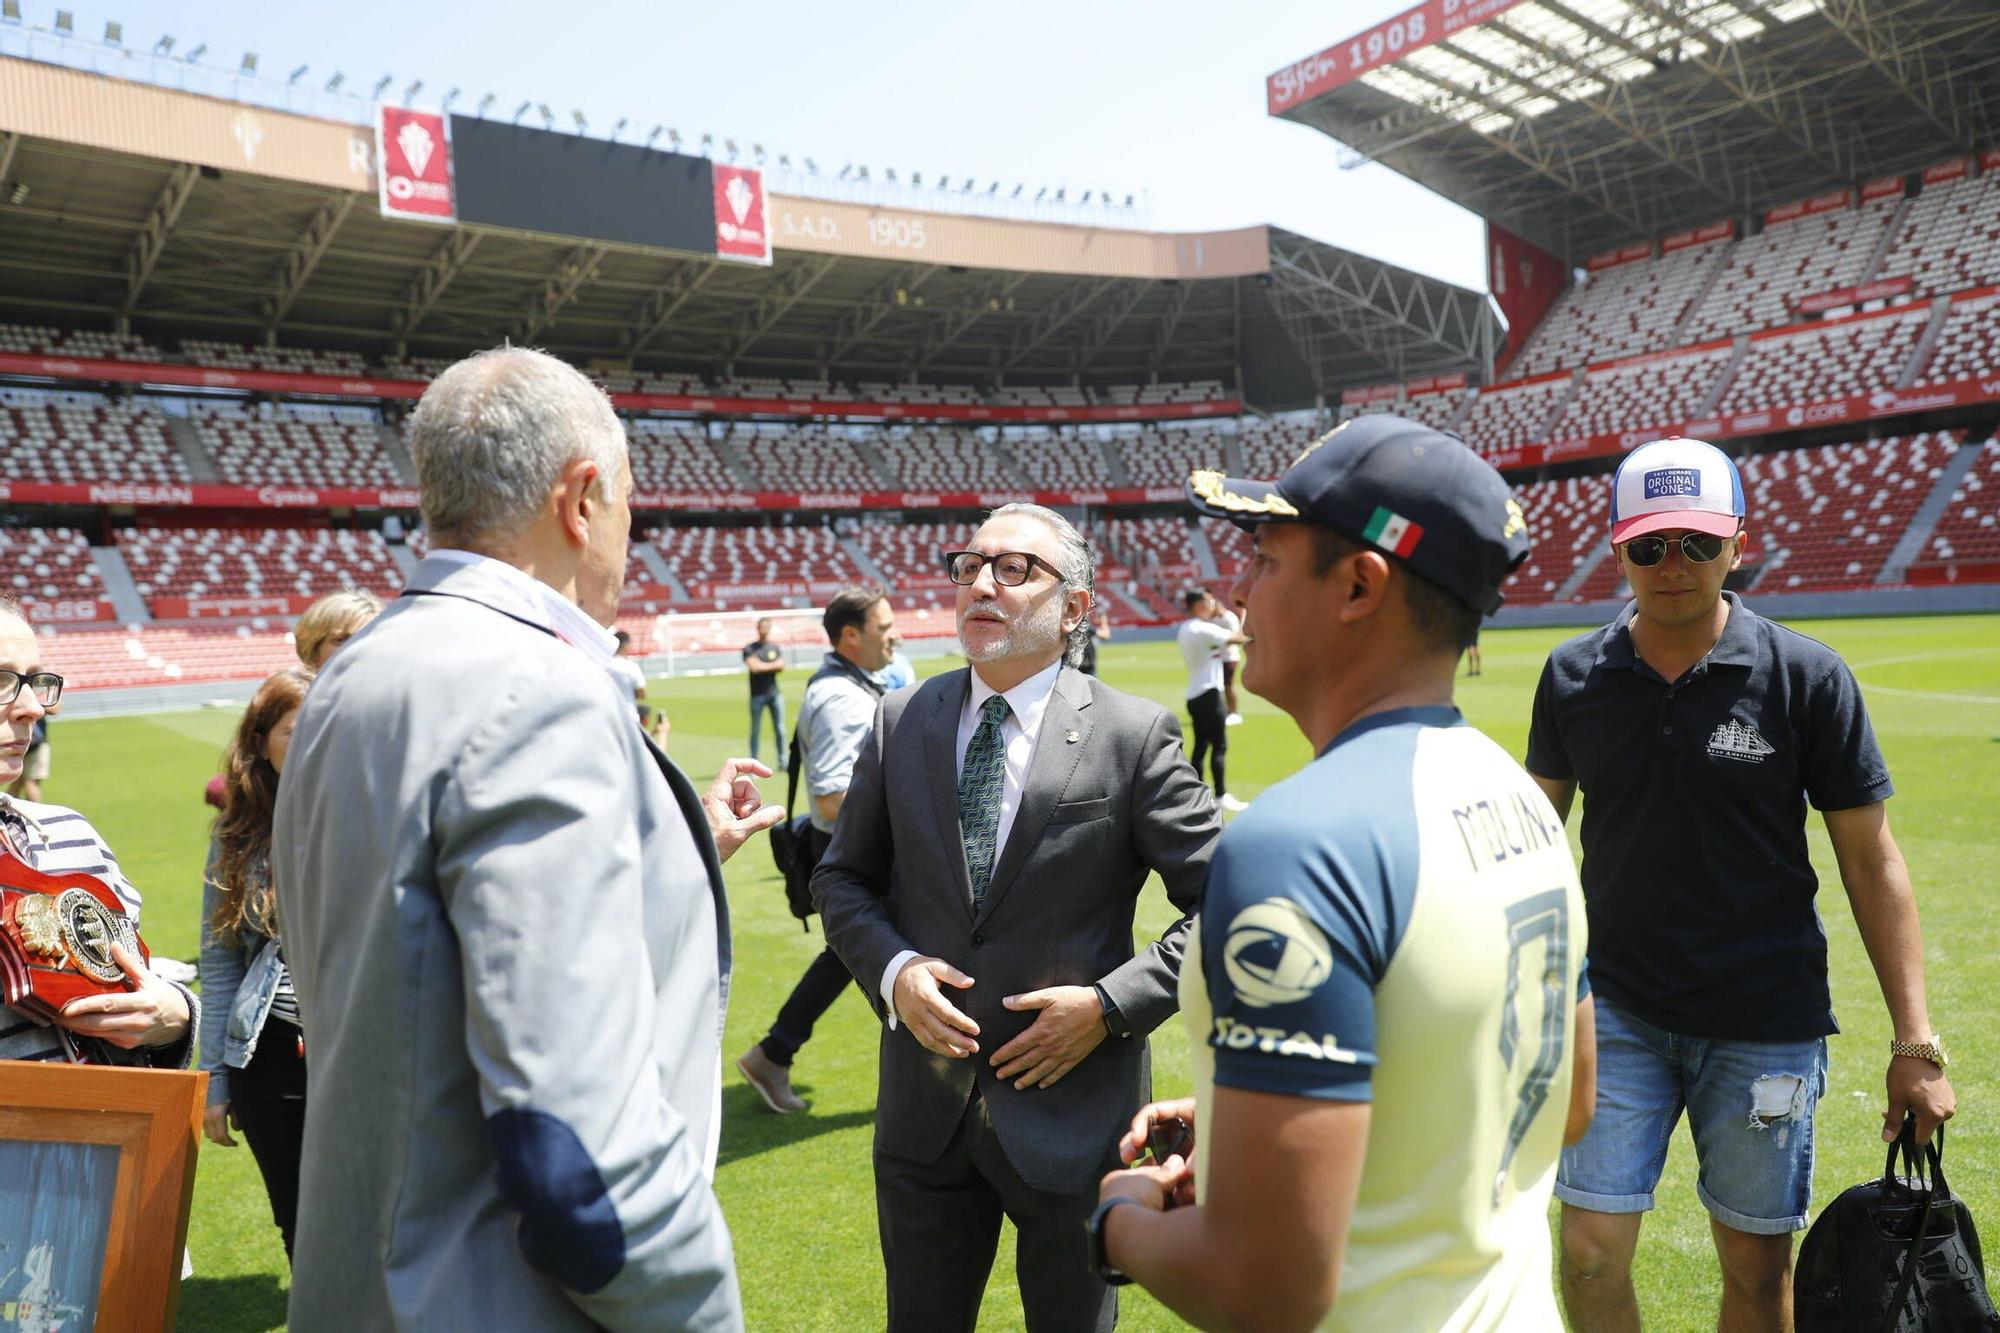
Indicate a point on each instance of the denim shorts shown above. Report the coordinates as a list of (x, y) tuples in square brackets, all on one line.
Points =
[(1750, 1110)]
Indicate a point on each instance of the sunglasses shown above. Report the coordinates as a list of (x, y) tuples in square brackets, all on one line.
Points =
[(1696, 547)]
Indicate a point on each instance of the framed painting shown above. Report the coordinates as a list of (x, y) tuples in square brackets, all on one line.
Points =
[(96, 1175)]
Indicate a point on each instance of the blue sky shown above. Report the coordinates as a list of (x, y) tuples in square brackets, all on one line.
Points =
[(1164, 97)]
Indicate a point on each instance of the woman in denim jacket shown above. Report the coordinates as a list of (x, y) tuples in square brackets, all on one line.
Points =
[(250, 1040)]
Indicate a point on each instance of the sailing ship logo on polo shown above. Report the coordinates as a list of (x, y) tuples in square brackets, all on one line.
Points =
[(1740, 742)]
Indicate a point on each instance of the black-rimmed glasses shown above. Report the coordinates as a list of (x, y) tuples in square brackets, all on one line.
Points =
[(47, 686), (1010, 568), (1696, 547)]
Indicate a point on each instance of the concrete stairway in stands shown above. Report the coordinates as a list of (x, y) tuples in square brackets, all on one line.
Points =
[(1738, 349), (1911, 544), (739, 466), (397, 452), (998, 448), (1920, 355), (1204, 554), (656, 564), (1114, 463), (119, 588), (872, 458), (1581, 574), (870, 571), (187, 439)]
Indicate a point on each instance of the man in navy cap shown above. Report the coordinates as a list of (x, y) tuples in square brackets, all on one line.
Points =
[(1382, 990), (1698, 732)]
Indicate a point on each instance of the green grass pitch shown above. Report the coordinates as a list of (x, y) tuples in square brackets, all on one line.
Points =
[(798, 1191)]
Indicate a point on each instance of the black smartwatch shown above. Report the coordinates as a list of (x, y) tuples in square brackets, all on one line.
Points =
[(1098, 1262), (1114, 1022)]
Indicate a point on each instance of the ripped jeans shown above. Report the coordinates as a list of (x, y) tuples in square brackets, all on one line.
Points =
[(1750, 1110)]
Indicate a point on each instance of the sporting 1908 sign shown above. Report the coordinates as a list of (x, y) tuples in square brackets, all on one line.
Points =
[(1383, 44)]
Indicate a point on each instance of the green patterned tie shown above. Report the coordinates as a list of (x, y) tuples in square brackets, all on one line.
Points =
[(980, 786)]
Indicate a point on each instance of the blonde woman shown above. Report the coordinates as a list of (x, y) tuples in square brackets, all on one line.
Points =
[(332, 621)]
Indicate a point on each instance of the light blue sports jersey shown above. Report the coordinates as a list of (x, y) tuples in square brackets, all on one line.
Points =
[(1400, 922)]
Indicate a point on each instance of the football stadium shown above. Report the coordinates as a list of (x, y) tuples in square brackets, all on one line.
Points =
[(1773, 225)]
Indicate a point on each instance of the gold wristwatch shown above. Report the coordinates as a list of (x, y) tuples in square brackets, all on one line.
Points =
[(1932, 1050)]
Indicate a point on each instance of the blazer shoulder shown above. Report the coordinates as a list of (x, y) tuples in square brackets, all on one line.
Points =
[(1127, 712)]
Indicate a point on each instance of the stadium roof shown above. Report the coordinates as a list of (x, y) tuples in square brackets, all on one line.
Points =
[(229, 237), (1583, 125)]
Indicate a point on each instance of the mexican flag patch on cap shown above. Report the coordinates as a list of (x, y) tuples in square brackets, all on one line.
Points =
[(1392, 532)]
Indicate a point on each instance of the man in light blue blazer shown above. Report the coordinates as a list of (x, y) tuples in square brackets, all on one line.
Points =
[(504, 914)]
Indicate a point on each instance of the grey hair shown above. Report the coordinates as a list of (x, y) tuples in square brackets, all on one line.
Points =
[(491, 435), (1075, 561)]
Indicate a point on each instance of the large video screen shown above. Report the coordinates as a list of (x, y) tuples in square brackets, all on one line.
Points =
[(567, 185)]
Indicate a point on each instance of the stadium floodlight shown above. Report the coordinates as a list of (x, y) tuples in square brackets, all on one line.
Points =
[(916, 178), (862, 174), (381, 86), (1039, 193), (653, 134), (944, 182), (1128, 201), (65, 22), (812, 166), (729, 147), (673, 136), (194, 56), (1061, 190), (114, 34), (485, 103), (410, 92), (521, 111), (297, 74), (333, 84), (582, 123), (165, 46), (784, 162), (450, 96), (707, 141), (844, 170), (1086, 196), (10, 11), (1017, 191), (757, 151), (618, 128), (249, 65), (994, 188), (548, 116)]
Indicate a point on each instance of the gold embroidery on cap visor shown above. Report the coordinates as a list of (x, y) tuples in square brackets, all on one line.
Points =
[(1516, 520), (1212, 488)]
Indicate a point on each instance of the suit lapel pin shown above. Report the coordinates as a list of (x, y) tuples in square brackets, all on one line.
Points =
[(1072, 736)]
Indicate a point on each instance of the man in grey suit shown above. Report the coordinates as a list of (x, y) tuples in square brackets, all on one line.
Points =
[(999, 826), (504, 914)]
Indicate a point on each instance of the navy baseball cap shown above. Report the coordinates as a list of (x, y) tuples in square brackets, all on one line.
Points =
[(1404, 488)]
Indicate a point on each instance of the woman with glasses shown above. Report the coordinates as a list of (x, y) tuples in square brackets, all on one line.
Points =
[(251, 1044), (152, 1022)]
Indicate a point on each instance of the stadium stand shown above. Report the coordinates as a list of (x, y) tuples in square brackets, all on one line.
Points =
[(1269, 447), (1059, 458), (941, 458), (800, 458), (1787, 260), (1828, 516), (1651, 393), (48, 564), (285, 360), (708, 559), (1511, 415), (1164, 457), (78, 439), (283, 450), (1832, 361), (1620, 311), (1568, 521), (257, 562), (1153, 547), (1435, 409), (909, 556), (1969, 341), (1966, 540), (1950, 237), (670, 455), (162, 655), (1230, 545)]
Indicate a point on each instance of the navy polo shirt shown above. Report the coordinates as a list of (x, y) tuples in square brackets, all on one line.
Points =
[(1695, 870)]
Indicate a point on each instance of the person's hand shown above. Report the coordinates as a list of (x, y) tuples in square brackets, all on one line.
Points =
[(1917, 1085), (1168, 1185), (921, 1007), (662, 728), (216, 1122), (152, 1013), (735, 808), (1069, 1026), (1134, 1145)]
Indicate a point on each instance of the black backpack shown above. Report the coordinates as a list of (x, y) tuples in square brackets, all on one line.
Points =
[(791, 841), (1895, 1255)]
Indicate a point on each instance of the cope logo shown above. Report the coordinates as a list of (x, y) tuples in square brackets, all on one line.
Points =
[(1275, 954)]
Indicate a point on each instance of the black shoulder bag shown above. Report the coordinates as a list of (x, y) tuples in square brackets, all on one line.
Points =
[(791, 841), (1895, 1255)]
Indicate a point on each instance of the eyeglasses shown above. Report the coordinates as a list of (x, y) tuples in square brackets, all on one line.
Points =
[(1010, 568), (1696, 547), (47, 686)]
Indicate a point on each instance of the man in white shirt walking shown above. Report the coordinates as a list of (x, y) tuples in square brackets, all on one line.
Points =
[(1204, 640)]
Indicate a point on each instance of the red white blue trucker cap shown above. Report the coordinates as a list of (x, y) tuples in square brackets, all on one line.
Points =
[(1676, 484)]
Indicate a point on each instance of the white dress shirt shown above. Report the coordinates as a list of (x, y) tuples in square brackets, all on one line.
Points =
[(558, 614), (1026, 703)]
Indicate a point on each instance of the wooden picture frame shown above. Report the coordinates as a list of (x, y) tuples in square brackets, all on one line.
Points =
[(55, 1120)]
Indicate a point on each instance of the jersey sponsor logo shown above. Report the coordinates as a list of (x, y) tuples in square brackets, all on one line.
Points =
[(1740, 742), (1276, 1041), (1665, 481), (1275, 954)]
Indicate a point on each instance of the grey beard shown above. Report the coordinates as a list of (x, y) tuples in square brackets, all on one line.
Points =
[(1036, 633)]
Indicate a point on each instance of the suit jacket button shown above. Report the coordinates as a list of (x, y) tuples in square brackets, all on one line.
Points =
[(977, 939)]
